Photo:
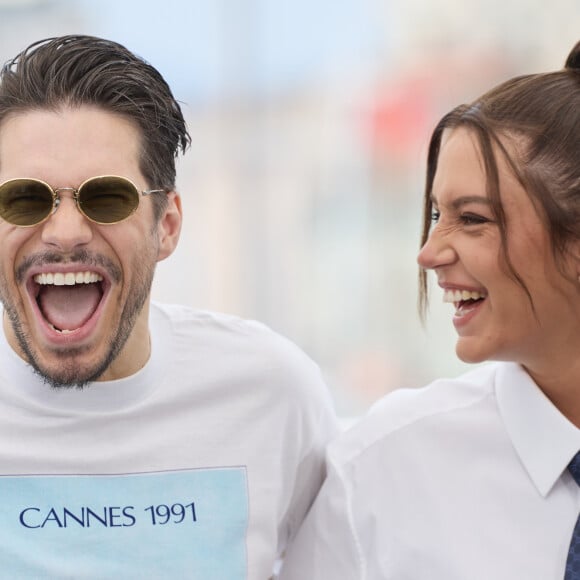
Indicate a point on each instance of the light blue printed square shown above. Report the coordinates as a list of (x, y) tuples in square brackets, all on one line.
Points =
[(179, 524)]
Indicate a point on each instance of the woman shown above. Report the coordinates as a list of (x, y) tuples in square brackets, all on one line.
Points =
[(467, 478)]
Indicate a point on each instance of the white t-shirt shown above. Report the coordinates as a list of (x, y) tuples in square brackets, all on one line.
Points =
[(200, 466), (465, 479)]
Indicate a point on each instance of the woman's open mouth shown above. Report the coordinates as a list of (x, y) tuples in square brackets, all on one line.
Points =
[(465, 301)]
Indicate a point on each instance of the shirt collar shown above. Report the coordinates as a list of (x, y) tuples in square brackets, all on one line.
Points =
[(543, 438), (18, 380)]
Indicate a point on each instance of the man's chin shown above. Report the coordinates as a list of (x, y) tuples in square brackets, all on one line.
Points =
[(69, 375), (63, 383), (70, 368)]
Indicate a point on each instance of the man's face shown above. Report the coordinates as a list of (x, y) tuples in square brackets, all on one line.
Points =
[(96, 327)]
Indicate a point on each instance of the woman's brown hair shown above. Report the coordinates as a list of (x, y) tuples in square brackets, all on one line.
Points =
[(540, 114)]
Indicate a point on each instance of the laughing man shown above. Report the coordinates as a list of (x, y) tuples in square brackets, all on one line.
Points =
[(137, 440)]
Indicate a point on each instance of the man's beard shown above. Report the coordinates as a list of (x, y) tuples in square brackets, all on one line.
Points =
[(69, 372)]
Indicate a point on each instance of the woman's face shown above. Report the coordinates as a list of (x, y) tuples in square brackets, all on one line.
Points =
[(494, 317)]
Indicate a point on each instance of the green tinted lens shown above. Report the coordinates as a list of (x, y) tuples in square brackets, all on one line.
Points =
[(108, 200), (25, 202)]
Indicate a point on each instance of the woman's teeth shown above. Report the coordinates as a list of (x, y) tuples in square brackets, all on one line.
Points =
[(454, 296)]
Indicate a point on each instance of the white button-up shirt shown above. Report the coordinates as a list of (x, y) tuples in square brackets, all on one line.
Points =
[(465, 479)]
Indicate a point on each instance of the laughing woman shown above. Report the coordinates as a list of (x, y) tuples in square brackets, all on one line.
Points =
[(475, 478)]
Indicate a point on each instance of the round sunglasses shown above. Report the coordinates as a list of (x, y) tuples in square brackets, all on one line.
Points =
[(106, 199)]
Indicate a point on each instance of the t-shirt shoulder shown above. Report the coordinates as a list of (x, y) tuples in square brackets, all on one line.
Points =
[(406, 407), (183, 317), (188, 324), (242, 343)]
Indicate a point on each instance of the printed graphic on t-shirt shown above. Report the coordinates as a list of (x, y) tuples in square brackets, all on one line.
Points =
[(177, 524)]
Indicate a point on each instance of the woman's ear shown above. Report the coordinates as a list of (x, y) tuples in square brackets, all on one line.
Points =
[(169, 226)]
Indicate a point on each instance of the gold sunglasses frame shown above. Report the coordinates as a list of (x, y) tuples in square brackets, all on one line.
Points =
[(55, 191)]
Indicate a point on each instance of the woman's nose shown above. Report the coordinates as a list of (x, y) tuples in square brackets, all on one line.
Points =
[(436, 252)]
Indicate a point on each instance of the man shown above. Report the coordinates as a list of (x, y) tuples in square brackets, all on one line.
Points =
[(137, 440)]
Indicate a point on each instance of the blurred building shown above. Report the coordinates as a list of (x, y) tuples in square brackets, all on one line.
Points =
[(302, 190)]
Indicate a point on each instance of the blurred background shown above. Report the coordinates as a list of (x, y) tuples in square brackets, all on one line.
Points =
[(310, 121)]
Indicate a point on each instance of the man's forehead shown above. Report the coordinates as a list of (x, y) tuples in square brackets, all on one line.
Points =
[(77, 142)]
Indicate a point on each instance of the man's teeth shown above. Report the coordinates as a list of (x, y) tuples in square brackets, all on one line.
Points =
[(63, 331), (459, 295), (68, 278)]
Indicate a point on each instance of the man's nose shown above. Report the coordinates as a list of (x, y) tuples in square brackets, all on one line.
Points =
[(67, 228)]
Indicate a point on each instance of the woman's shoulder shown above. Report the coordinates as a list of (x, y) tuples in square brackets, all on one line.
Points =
[(408, 409)]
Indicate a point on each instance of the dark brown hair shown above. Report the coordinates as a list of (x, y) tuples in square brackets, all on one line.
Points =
[(541, 114), (85, 70)]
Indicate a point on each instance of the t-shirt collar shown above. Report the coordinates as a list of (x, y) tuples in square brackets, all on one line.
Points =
[(19, 382)]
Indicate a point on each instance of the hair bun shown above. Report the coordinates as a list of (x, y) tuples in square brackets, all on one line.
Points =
[(573, 60)]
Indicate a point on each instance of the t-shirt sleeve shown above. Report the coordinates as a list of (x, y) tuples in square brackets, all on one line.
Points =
[(310, 431), (326, 545)]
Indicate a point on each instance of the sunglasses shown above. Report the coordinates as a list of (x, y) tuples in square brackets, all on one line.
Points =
[(107, 199)]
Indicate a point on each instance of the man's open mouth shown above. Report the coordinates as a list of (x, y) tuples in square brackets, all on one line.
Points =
[(67, 300)]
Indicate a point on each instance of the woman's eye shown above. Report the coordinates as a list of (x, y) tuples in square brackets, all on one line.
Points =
[(435, 215), (471, 219)]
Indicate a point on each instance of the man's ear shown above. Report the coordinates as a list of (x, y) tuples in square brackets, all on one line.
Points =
[(169, 226)]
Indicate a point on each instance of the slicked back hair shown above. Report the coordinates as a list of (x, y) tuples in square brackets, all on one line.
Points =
[(76, 70)]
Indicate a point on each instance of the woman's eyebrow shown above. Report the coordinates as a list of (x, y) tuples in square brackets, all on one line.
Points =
[(457, 202), (465, 199)]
